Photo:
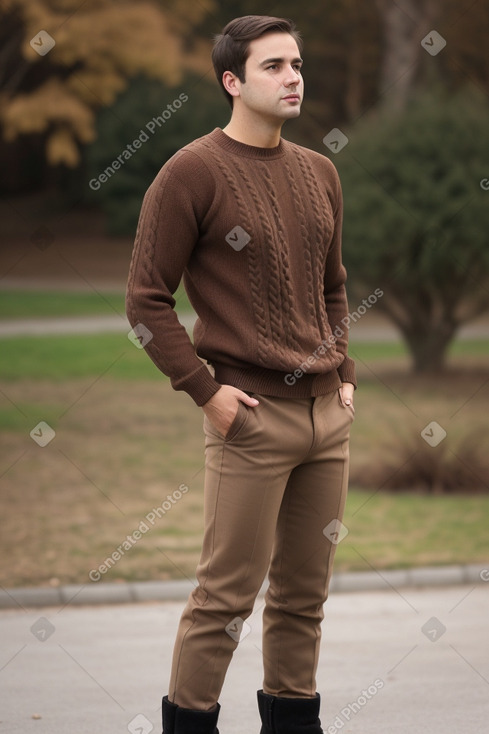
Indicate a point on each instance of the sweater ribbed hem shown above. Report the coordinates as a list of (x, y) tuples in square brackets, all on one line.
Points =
[(277, 384)]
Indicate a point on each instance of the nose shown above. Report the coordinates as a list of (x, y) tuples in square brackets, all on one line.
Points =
[(291, 77)]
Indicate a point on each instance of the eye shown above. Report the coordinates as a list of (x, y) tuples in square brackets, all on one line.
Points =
[(272, 66)]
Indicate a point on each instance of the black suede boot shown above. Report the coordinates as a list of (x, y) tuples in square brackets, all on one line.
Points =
[(177, 720), (289, 715)]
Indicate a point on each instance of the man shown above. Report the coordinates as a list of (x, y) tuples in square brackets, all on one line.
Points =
[(253, 224)]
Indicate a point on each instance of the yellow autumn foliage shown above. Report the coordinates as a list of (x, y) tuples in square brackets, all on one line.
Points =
[(60, 148), (52, 102), (99, 46)]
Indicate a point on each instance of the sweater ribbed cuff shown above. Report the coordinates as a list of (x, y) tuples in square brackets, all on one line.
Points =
[(200, 385), (346, 371)]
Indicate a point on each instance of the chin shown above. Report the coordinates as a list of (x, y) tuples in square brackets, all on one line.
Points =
[(294, 112)]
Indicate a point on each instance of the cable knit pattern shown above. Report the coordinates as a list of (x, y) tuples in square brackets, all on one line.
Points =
[(254, 261), (256, 235), (317, 251), (281, 302), (278, 295)]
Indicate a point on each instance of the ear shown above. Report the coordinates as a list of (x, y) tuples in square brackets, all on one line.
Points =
[(231, 83)]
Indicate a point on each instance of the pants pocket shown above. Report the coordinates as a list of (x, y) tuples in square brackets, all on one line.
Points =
[(238, 422)]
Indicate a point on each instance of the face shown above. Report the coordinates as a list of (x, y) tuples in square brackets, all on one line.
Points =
[(274, 87)]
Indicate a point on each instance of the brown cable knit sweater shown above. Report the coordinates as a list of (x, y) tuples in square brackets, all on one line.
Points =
[(256, 235)]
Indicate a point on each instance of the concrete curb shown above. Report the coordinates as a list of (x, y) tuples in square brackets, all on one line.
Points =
[(145, 591)]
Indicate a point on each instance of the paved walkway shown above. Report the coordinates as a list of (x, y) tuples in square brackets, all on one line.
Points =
[(380, 332), (392, 662)]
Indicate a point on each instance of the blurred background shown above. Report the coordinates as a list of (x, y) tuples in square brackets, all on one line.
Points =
[(95, 96)]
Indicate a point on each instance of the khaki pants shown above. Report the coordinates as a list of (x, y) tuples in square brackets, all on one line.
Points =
[(272, 486)]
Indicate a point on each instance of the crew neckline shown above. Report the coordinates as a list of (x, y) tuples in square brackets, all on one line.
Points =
[(247, 151)]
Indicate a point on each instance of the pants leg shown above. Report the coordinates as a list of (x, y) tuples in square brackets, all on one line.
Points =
[(302, 559), (247, 475)]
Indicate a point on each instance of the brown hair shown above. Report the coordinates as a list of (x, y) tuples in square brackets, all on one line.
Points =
[(231, 47)]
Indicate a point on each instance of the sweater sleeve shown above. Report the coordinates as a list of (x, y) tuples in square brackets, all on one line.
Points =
[(167, 233), (334, 288)]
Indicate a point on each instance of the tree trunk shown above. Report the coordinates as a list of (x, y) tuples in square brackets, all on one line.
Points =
[(429, 348), (404, 25)]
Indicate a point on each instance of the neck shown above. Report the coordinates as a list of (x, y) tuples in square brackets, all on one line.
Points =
[(251, 130)]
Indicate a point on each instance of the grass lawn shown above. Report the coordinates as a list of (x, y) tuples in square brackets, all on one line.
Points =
[(72, 357), (29, 304), (19, 304), (125, 440)]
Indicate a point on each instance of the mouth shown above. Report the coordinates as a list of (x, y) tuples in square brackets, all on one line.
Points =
[(292, 98)]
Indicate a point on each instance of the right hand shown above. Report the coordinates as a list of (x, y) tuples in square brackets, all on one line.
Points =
[(221, 409)]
